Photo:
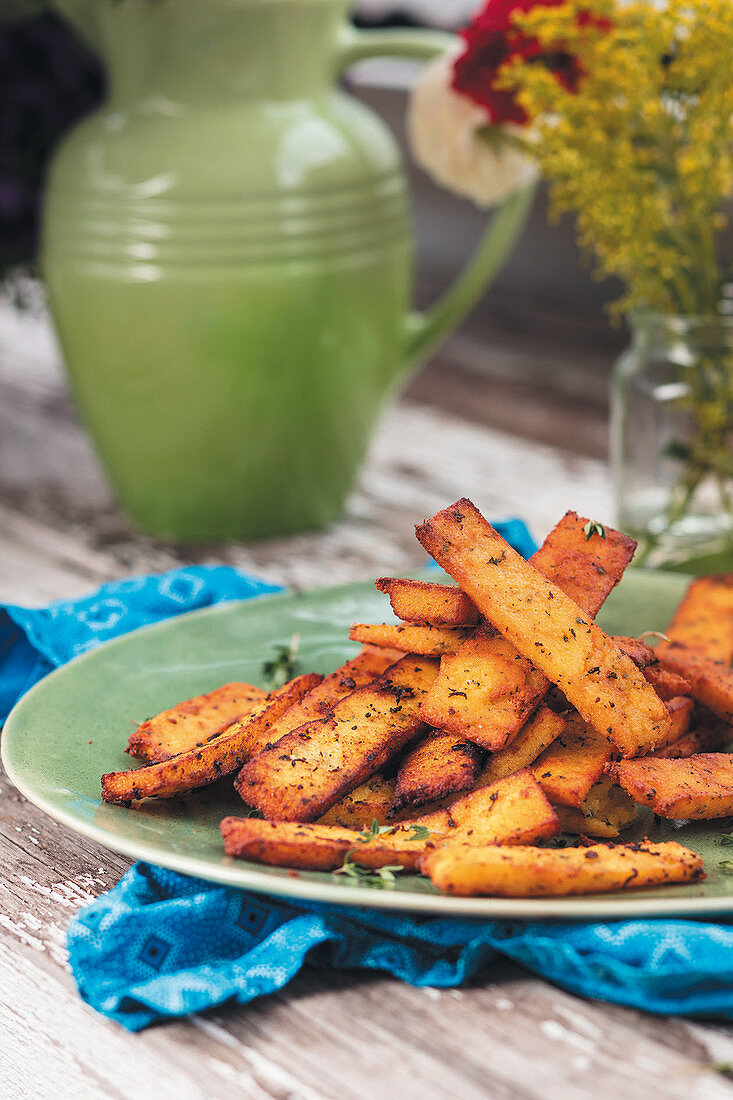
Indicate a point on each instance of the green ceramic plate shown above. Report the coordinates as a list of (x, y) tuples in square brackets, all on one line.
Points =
[(74, 724)]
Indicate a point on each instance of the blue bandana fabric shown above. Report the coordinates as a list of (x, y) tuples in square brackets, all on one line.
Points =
[(34, 641), (162, 945)]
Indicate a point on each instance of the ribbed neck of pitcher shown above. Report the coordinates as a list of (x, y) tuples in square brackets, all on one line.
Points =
[(203, 51)]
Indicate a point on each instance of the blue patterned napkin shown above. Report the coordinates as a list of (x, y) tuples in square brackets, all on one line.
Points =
[(162, 945)]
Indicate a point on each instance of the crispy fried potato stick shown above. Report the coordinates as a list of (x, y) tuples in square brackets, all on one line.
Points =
[(603, 813), (668, 685), (532, 740), (440, 765), (548, 628), (429, 604), (370, 802), (710, 735), (484, 692), (573, 763), (557, 872), (680, 709), (704, 619), (514, 810), (697, 788), (488, 691), (711, 682), (314, 766), (211, 761), (193, 722), (317, 847), (361, 670), (428, 641)]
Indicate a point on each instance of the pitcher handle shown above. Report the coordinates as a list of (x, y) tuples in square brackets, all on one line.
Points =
[(424, 330)]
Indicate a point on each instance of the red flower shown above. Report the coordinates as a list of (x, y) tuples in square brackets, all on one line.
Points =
[(492, 39)]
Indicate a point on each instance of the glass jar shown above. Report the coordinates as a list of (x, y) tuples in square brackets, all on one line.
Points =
[(672, 441)]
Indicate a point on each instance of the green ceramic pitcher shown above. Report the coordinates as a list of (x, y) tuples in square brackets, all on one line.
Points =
[(228, 257)]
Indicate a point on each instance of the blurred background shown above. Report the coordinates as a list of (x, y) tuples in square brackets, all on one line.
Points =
[(540, 333)]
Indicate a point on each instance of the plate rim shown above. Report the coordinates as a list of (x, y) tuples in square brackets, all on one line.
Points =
[(247, 876)]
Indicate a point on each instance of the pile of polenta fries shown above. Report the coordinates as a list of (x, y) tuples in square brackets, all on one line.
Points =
[(495, 716)]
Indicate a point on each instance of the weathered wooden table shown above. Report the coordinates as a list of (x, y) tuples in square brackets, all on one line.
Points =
[(514, 441)]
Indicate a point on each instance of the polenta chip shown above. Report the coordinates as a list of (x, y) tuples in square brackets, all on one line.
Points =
[(212, 761), (317, 847), (311, 768), (697, 788), (369, 802), (557, 872), (192, 723), (428, 641), (427, 603), (532, 740), (487, 690), (440, 765), (548, 628), (704, 619), (711, 681), (573, 763)]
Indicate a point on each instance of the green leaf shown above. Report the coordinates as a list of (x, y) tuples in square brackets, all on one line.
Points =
[(726, 866), (593, 527), (382, 878), (283, 666), (375, 829)]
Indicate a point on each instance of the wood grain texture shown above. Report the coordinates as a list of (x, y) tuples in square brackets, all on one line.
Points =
[(330, 1035)]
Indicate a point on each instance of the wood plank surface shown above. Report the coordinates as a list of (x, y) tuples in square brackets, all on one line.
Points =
[(330, 1034)]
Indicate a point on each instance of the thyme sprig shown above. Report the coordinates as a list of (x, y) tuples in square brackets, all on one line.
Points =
[(283, 666), (593, 527), (381, 878)]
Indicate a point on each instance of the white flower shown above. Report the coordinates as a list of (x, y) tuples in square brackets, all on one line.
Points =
[(443, 130)]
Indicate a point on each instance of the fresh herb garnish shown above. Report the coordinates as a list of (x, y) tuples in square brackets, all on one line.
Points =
[(726, 866), (283, 666), (382, 878), (372, 831), (726, 839), (417, 832), (254, 812), (422, 832), (593, 527)]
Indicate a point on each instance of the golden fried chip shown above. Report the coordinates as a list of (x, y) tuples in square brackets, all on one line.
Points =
[(556, 872), (439, 765), (704, 619), (711, 681), (487, 691), (428, 641), (605, 811), (514, 810), (211, 761), (372, 801), (311, 768), (428, 603), (548, 628), (573, 763), (317, 847), (532, 740), (697, 787), (193, 722)]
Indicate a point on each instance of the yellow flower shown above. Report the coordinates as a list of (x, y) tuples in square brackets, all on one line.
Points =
[(642, 153)]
